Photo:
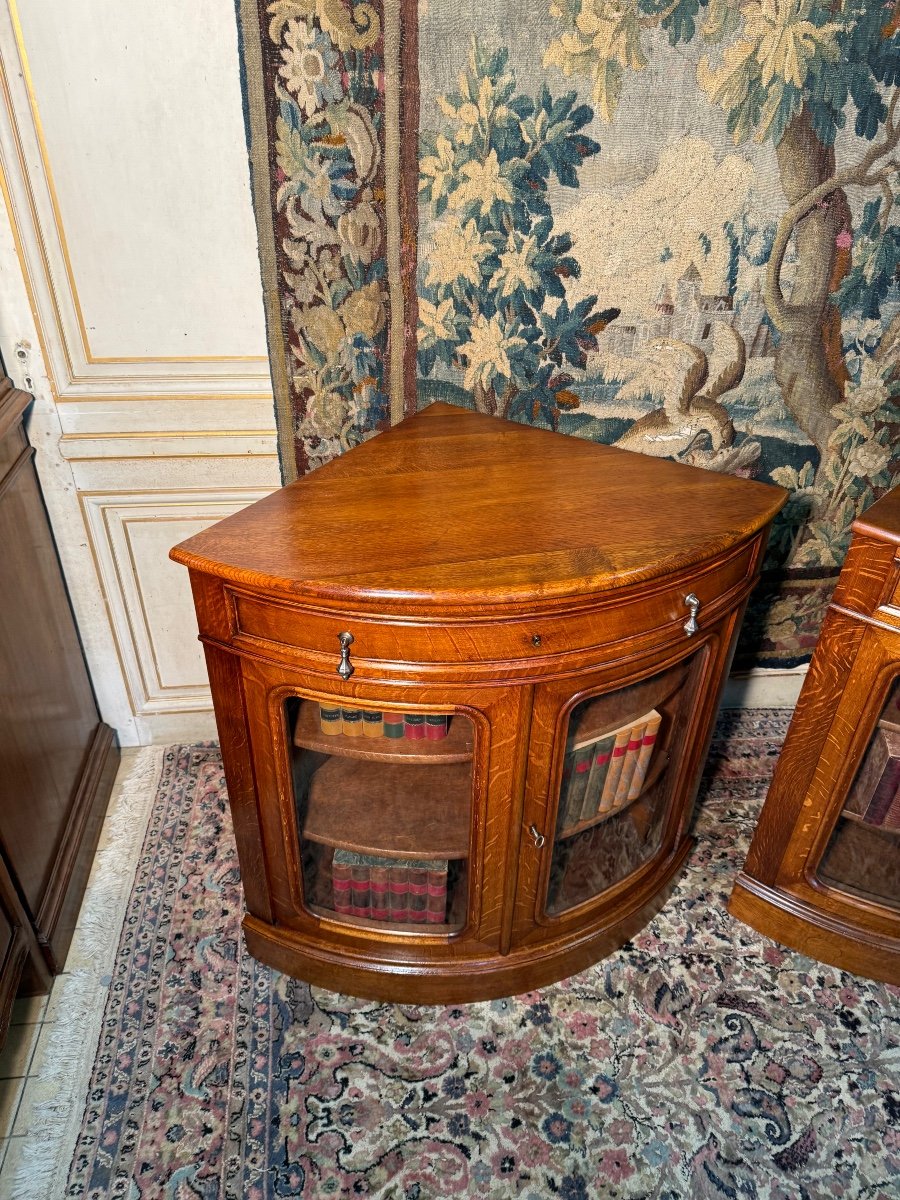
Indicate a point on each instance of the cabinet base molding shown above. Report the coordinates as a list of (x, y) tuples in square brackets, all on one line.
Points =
[(370, 975), (814, 932)]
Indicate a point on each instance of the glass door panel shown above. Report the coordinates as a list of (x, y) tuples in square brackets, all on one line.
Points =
[(622, 751), (863, 854), (384, 809)]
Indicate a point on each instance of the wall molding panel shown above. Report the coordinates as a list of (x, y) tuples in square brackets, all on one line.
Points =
[(131, 307), (149, 593)]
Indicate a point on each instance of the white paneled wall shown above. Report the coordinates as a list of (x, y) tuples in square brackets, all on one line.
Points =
[(130, 305)]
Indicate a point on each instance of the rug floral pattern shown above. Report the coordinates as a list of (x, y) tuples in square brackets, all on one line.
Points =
[(699, 1061)]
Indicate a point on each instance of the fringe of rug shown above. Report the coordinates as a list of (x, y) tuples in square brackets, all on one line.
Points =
[(80, 996)]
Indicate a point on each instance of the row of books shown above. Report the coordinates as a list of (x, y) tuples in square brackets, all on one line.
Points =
[(603, 774), (364, 722), (875, 794), (410, 892)]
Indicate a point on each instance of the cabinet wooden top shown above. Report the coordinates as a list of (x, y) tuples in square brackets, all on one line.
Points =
[(882, 520), (452, 506)]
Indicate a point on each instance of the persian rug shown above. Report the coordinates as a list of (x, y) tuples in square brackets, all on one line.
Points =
[(670, 225), (701, 1060)]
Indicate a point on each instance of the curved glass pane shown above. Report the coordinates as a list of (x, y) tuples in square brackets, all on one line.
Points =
[(384, 809), (623, 749), (863, 855)]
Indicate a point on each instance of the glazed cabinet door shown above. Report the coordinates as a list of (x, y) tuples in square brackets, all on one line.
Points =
[(861, 857), (392, 819), (607, 803)]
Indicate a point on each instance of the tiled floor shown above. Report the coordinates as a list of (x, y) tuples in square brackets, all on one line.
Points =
[(18, 1062), (32, 1025)]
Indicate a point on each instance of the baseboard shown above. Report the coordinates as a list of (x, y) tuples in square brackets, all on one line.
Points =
[(68, 878), (764, 689)]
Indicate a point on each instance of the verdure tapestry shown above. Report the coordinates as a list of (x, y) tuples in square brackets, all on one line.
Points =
[(667, 225)]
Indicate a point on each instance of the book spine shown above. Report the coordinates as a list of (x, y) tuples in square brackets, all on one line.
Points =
[(341, 885), (330, 720), (372, 724), (379, 887), (632, 752), (581, 769), (601, 753), (611, 782), (641, 767), (436, 727), (351, 720), (414, 726), (436, 904), (565, 791), (418, 897), (398, 894), (885, 793), (393, 724), (892, 816), (360, 899)]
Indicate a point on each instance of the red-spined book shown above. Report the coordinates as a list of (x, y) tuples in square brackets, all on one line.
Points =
[(404, 891), (874, 794), (648, 741), (632, 753), (616, 762), (341, 885)]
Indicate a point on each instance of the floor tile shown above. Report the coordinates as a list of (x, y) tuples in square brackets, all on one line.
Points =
[(15, 1058), (15, 1147), (10, 1095), (29, 1009)]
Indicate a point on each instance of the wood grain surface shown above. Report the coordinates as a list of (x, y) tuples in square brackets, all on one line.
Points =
[(782, 891), (500, 573), (452, 502)]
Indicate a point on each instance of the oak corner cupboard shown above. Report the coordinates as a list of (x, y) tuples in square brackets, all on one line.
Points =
[(465, 678), (823, 871)]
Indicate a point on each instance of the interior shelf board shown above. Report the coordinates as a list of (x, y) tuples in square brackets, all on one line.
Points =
[(398, 810), (399, 927), (611, 711), (456, 747)]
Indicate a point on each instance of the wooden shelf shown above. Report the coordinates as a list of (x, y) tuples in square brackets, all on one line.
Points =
[(857, 819), (662, 761), (399, 810), (398, 927), (456, 747), (614, 709)]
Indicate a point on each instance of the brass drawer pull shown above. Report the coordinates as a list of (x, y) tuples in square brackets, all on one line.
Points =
[(691, 625), (345, 666)]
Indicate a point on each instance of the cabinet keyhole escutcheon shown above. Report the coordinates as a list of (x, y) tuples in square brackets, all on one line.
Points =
[(345, 666), (691, 625)]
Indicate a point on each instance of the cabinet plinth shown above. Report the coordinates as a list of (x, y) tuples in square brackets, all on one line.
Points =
[(823, 871), (488, 785)]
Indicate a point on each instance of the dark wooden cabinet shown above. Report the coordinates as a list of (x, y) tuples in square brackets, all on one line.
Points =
[(526, 593), (823, 871), (57, 758)]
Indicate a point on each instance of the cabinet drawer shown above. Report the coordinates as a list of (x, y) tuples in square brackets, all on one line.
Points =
[(282, 628)]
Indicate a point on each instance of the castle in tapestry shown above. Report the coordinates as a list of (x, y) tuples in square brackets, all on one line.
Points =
[(691, 316)]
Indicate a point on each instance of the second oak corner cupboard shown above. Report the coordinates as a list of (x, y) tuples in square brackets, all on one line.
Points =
[(465, 678)]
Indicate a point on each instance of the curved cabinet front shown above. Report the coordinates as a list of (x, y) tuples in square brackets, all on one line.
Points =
[(419, 841), (411, 659)]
